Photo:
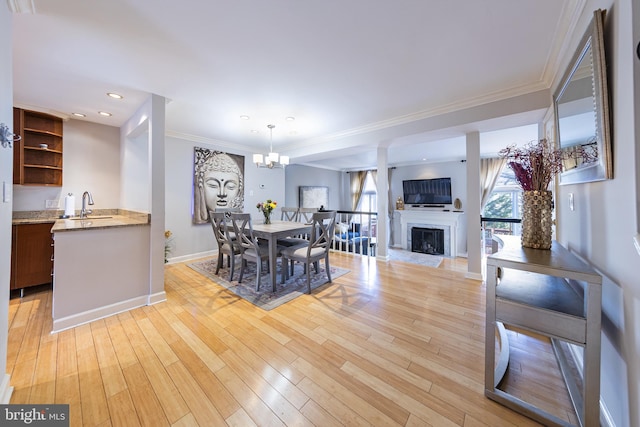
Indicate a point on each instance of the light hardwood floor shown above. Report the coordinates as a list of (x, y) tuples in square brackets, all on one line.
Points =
[(388, 344)]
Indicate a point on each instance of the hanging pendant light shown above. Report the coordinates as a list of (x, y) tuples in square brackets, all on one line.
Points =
[(273, 159)]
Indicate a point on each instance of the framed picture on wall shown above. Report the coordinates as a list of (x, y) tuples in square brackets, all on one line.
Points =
[(313, 197), (218, 183)]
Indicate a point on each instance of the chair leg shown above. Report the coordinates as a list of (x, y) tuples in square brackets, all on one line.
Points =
[(284, 273), (232, 266), (220, 261), (317, 266), (258, 268), (327, 267), (243, 264), (309, 281)]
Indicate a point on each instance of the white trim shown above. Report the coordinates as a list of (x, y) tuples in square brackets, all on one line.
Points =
[(636, 242), (191, 257), (473, 276), (98, 313), (5, 390), (156, 298)]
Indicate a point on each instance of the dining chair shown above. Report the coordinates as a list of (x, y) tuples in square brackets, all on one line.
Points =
[(291, 214), (322, 229), (225, 238), (288, 214), (251, 249)]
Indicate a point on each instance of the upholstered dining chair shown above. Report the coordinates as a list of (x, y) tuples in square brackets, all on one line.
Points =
[(226, 240), (317, 248), (291, 214), (251, 250)]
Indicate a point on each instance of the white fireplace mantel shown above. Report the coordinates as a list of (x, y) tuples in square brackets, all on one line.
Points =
[(447, 220)]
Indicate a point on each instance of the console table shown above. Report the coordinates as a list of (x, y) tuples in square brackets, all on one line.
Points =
[(553, 293)]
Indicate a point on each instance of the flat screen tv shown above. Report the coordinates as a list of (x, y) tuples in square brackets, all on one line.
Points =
[(427, 191)]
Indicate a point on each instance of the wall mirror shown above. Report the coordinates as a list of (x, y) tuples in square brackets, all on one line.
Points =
[(581, 105)]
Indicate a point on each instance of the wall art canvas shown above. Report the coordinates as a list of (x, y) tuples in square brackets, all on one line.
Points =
[(218, 183), (314, 197)]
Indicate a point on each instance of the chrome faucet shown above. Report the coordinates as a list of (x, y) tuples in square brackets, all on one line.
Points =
[(84, 212)]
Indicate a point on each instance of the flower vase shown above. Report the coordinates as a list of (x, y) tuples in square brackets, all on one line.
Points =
[(536, 219), (267, 217)]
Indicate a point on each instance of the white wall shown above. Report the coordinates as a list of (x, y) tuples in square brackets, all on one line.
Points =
[(91, 162), (6, 176), (602, 226), (457, 171), (190, 239)]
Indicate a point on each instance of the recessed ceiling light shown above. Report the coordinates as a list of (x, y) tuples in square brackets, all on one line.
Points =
[(114, 95), (290, 118), (78, 114), (104, 113), (254, 131), (244, 117)]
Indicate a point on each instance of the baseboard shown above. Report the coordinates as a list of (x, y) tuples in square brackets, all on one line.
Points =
[(6, 390), (156, 298), (98, 313), (474, 276), (191, 257)]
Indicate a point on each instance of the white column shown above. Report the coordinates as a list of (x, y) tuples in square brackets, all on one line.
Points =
[(474, 238), (382, 185)]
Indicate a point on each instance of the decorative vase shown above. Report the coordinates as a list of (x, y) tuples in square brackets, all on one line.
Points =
[(267, 217), (536, 219)]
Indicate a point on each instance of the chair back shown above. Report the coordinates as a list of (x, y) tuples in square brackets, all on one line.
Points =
[(305, 214), (289, 214), (244, 231), (322, 230), (221, 228)]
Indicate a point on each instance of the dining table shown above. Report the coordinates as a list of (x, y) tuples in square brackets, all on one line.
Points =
[(271, 233)]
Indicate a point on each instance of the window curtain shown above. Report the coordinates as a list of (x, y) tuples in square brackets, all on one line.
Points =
[(357, 185), (489, 172)]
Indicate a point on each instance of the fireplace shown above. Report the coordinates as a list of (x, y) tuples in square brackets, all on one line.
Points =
[(427, 240)]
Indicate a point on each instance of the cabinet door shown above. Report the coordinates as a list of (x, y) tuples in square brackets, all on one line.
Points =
[(32, 254)]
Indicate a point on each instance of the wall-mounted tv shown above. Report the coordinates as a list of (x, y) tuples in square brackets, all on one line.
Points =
[(427, 191)]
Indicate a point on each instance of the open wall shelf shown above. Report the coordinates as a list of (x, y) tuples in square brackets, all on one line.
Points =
[(37, 156)]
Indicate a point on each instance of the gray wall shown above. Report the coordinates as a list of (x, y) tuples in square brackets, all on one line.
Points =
[(298, 175), (602, 226), (190, 239)]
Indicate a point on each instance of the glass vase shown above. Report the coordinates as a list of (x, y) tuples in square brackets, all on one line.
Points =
[(267, 217), (536, 219)]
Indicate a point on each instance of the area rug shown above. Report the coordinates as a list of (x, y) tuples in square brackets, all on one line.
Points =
[(265, 298), (415, 257)]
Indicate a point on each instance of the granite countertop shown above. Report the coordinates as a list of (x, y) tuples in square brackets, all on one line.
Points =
[(99, 219)]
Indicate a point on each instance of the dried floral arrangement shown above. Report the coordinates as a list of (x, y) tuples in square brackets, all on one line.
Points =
[(537, 163)]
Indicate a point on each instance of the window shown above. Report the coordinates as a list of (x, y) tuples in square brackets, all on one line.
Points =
[(505, 202), (369, 199)]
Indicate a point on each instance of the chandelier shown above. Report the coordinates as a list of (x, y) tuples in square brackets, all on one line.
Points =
[(271, 160)]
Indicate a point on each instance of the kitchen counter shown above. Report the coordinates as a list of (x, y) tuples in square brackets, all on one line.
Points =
[(100, 264), (103, 218)]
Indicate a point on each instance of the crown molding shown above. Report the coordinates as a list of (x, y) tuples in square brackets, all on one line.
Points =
[(22, 6), (204, 140)]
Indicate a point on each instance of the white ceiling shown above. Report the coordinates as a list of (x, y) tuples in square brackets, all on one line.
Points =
[(354, 73)]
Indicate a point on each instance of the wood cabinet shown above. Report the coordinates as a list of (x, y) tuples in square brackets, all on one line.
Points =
[(37, 157), (31, 255), (553, 293)]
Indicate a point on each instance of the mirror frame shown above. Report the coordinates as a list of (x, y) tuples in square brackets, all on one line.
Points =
[(603, 168)]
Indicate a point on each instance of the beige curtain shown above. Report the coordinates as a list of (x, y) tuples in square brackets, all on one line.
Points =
[(489, 172), (357, 185)]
